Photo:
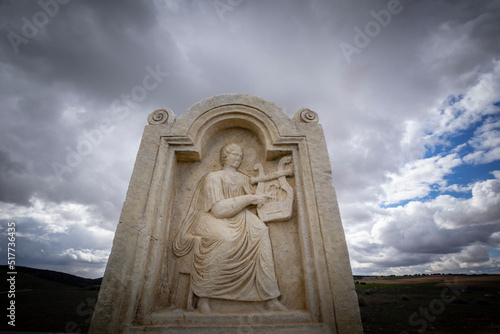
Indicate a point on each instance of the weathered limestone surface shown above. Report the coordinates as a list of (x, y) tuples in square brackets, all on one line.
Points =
[(230, 225)]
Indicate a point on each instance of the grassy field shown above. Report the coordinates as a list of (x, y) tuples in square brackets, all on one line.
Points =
[(421, 304), (430, 304), (48, 306)]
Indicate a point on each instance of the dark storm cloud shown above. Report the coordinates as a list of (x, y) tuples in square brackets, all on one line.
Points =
[(61, 85), (83, 44), (428, 239), (85, 56), (13, 187)]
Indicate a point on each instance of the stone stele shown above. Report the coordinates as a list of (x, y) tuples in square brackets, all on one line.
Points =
[(230, 225)]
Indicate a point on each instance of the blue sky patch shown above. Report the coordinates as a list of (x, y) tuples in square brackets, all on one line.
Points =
[(494, 252)]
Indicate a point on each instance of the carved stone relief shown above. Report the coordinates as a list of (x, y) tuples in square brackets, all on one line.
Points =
[(230, 224), (269, 198)]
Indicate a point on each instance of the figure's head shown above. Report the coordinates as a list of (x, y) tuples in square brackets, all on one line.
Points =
[(231, 154)]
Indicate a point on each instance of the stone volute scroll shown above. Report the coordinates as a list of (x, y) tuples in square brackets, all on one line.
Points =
[(161, 116), (230, 225), (306, 115)]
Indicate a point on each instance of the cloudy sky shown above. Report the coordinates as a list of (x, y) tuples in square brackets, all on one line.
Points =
[(408, 94)]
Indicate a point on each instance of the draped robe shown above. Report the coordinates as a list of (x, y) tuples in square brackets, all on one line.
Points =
[(232, 256)]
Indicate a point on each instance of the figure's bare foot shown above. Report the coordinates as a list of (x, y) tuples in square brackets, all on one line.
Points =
[(203, 305), (274, 305)]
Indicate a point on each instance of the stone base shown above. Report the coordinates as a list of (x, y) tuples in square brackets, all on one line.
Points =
[(257, 329), (182, 321), (195, 322), (197, 318)]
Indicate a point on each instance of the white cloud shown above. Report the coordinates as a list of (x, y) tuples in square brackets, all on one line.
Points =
[(51, 235), (486, 142), (381, 113), (450, 212), (452, 116), (416, 179), (473, 259), (55, 218), (411, 238), (87, 255), (494, 240)]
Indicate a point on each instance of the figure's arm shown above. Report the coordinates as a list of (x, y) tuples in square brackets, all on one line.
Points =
[(229, 207)]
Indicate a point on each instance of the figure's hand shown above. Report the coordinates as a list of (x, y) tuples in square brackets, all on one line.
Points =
[(231, 206), (260, 200)]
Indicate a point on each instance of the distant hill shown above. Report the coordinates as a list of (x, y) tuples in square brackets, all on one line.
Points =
[(56, 276), (50, 301)]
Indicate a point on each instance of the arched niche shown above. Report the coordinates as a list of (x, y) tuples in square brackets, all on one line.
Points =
[(273, 128), (221, 127)]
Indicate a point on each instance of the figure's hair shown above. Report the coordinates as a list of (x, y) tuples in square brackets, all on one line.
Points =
[(226, 150)]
